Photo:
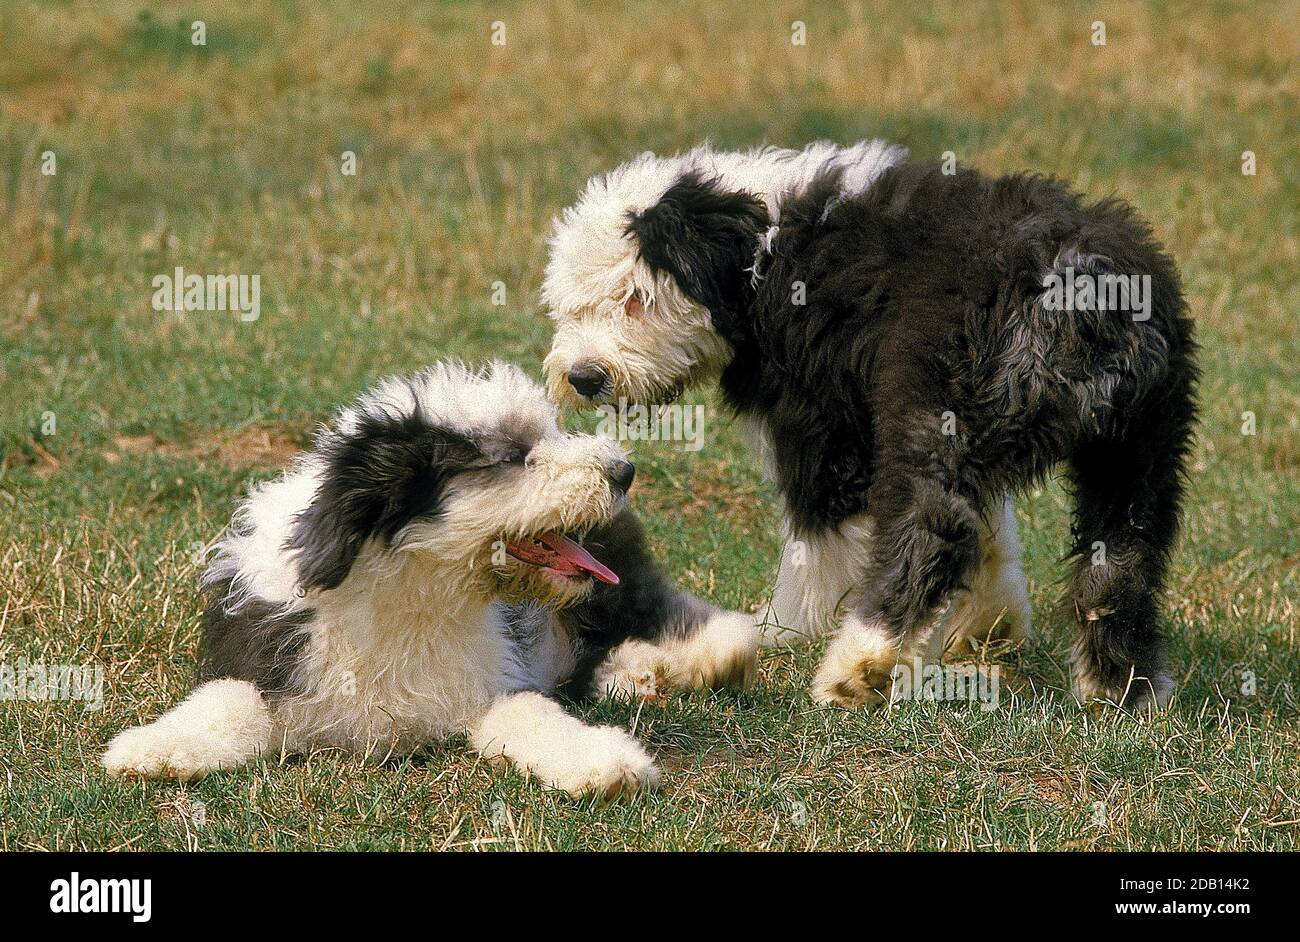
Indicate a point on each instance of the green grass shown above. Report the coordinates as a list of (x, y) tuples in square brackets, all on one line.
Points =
[(225, 158)]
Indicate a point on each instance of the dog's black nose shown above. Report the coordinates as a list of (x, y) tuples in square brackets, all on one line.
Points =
[(621, 475), (587, 379)]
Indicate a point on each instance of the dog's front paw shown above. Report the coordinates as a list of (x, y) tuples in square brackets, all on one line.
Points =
[(634, 670), (862, 686), (221, 724), (857, 669), (724, 653), (151, 752), (610, 764), (561, 751)]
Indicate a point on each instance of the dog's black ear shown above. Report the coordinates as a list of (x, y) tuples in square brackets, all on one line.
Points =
[(378, 477), (705, 236)]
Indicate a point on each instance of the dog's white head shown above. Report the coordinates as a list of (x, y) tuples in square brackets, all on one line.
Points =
[(638, 271), (467, 474), (648, 271)]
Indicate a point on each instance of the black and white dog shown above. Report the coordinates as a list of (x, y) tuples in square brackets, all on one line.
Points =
[(443, 559), (908, 346)]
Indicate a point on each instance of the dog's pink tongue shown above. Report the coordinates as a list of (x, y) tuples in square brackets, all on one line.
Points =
[(577, 557)]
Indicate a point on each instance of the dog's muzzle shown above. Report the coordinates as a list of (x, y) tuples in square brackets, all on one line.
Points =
[(588, 380), (620, 475)]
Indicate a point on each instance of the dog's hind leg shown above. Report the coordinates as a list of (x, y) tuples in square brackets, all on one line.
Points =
[(719, 651), (996, 606), (1127, 494), (221, 724), (785, 619)]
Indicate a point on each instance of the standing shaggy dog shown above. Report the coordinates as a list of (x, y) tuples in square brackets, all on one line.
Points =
[(908, 346), (431, 568)]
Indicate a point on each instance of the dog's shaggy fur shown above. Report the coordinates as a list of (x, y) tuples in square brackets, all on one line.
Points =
[(885, 330), (408, 579)]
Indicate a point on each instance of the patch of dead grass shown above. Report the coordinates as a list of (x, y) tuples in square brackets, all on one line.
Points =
[(257, 446)]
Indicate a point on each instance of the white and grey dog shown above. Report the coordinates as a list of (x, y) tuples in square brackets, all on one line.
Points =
[(894, 333), (626, 327), (441, 561)]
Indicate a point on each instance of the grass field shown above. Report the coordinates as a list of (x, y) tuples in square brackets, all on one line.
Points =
[(128, 433)]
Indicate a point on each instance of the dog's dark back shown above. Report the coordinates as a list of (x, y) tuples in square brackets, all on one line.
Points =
[(925, 295)]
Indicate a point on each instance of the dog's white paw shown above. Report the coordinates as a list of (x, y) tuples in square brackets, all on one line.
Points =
[(724, 653), (857, 669), (634, 670), (561, 751), (154, 752), (609, 764), (149, 753), (221, 724)]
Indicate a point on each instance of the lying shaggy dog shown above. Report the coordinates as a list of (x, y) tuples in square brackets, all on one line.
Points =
[(443, 559), (907, 346)]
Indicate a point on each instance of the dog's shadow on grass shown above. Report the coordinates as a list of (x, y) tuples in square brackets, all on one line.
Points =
[(697, 728), (431, 756)]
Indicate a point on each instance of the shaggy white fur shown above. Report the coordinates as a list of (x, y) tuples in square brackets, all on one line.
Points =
[(541, 739), (221, 724), (594, 270), (432, 632), (652, 340), (719, 654)]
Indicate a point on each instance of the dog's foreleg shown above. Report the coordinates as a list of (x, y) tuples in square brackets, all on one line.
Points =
[(997, 603), (927, 542), (221, 724), (539, 738), (718, 650)]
